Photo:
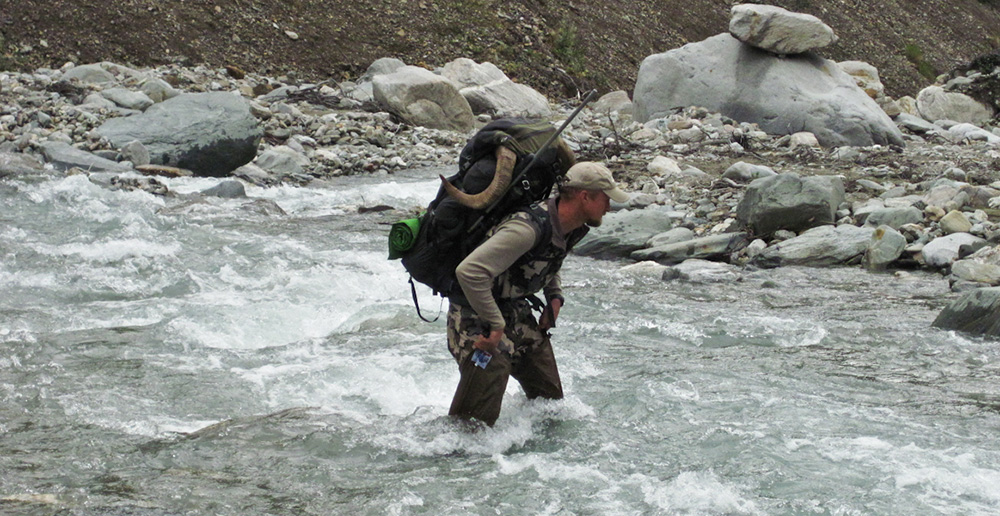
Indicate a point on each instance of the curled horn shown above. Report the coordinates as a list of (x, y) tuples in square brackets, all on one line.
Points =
[(501, 180)]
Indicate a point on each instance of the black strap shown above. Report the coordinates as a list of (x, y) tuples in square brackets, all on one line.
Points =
[(413, 290)]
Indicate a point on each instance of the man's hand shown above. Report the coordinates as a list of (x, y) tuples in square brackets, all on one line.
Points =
[(489, 343), (548, 319)]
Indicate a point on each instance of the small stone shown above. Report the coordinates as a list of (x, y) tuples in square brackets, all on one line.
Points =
[(292, 35), (955, 222)]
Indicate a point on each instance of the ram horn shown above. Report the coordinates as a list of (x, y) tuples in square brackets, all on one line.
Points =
[(506, 159)]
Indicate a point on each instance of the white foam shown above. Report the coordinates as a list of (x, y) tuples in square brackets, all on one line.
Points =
[(695, 492)]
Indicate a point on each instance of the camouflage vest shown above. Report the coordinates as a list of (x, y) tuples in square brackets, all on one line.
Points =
[(536, 268)]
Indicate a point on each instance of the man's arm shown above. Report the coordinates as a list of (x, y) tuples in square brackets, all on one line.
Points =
[(494, 256)]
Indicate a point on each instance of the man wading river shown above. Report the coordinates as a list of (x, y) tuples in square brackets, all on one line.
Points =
[(495, 335)]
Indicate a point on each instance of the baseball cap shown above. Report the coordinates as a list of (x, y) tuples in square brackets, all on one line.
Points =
[(588, 175)]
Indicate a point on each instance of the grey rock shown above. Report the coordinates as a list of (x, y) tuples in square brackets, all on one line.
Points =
[(672, 236), (702, 271), (135, 152), (976, 311), (89, 74), (955, 222), (227, 189), (613, 102), (799, 93), (943, 251), (885, 247), (16, 164), (422, 98), (971, 270), (282, 160), (715, 246), (788, 201), (383, 66), (894, 217), (623, 232), (505, 98), (64, 157), (935, 104), (128, 99), (210, 134), (777, 30), (158, 90), (743, 172), (915, 124), (971, 132), (821, 246)]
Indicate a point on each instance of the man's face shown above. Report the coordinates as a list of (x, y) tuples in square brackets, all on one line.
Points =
[(595, 204)]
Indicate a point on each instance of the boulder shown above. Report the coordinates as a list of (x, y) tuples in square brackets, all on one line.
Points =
[(623, 232), (743, 172), (971, 270), (966, 131), (935, 103), (976, 311), (955, 222), (135, 152), (488, 90), (778, 30), (230, 189), (714, 246), (885, 247), (943, 251), (702, 271), (89, 74), (673, 236), (788, 201), (783, 96), (210, 134), (158, 90), (915, 124), (664, 166), (893, 217), (16, 164), (282, 160), (822, 246), (128, 99), (613, 102), (64, 156), (422, 98)]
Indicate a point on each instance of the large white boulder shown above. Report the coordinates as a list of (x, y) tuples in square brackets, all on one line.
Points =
[(783, 96), (421, 97), (488, 90), (935, 103), (778, 30)]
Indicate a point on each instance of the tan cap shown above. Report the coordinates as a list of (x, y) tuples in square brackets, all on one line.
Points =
[(588, 175)]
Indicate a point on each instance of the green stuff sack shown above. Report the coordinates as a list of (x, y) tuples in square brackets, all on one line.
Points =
[(402, 236)]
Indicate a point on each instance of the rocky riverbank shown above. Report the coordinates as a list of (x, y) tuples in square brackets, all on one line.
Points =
[(705, 186)]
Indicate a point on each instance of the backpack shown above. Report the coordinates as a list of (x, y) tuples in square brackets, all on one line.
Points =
[(449, 231)]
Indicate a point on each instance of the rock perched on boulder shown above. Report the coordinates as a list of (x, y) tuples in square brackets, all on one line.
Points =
[(421, 97), (977, 311), (788, 201), (783, 96), (128, 99), (490, 91), (825, 245), (778, 30), (210, 134)]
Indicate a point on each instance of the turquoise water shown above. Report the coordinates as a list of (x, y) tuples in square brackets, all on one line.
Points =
[(163, 356)]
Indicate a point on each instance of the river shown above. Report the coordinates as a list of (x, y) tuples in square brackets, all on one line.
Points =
[(160, 356)]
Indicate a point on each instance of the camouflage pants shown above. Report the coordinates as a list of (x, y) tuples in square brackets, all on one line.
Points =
[(524, 353)]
